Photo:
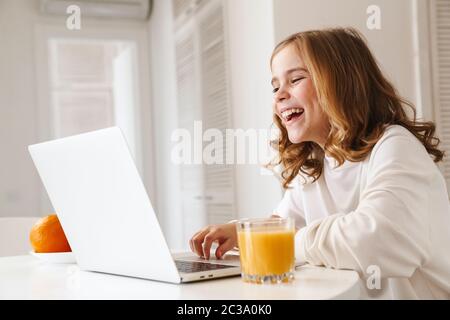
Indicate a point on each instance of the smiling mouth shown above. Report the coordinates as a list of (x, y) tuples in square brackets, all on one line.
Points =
[(292, 114)]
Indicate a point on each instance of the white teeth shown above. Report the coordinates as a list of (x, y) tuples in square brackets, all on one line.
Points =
[(287, 113)]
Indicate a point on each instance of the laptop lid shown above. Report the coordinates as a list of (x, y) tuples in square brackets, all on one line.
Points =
[(99, 197)]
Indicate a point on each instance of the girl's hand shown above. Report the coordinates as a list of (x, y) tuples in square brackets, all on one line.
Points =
[(225, 234)]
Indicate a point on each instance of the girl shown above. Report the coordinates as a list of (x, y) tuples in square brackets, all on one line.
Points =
[(360, 175)]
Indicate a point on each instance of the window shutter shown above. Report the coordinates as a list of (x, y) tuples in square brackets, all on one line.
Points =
[(183, 10), (440, 19), (189, 110), (203, 94), (186, 82), (218, 178), (180, 7)]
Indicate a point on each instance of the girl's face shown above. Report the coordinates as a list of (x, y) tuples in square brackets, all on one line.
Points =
[(295, 99)]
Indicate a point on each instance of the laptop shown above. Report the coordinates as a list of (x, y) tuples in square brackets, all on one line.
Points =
[(98, 195)]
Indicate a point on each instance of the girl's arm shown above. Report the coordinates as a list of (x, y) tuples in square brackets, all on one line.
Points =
[(390, 227)]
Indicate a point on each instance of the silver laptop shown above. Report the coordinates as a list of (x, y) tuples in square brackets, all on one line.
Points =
[(99, 197)]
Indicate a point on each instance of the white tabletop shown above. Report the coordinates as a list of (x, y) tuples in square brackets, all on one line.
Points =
[(26, 277)]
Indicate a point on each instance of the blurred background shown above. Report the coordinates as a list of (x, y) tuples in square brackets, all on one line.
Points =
[(151, 67)]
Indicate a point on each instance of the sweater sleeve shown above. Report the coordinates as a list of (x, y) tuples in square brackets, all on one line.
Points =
[(390, 226)]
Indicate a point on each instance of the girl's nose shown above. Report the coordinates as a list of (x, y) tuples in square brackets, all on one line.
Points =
[(281, 95)]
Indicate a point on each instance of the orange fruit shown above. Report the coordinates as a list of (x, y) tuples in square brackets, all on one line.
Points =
[(47, 235)]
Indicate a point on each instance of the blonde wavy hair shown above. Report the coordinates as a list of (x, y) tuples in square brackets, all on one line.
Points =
[(358, 100)]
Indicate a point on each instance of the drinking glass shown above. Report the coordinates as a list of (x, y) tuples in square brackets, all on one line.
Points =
[(266, 249)]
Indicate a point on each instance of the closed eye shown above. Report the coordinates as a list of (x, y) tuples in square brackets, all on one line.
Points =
[(293, 81), (297, 79)]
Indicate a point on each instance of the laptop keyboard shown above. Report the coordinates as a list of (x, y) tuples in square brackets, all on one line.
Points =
[(194, 266)]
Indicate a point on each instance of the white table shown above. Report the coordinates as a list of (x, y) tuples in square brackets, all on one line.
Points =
[(26, 277)]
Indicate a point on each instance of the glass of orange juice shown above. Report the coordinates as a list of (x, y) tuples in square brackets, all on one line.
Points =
[(266, 249)]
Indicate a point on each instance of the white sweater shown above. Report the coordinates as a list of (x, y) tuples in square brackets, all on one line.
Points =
[(389, 211)]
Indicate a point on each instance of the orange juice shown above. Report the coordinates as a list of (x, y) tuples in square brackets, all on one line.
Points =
[(265, 253), (266, 249)]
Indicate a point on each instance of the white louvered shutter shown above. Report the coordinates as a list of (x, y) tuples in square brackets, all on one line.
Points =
[(203, 95), (180, 7), (440, 18), (218, 178), (189, 110)]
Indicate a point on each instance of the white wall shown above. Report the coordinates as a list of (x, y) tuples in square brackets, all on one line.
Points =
[(393, 45), (19, 184)]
